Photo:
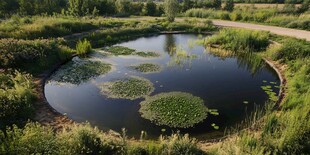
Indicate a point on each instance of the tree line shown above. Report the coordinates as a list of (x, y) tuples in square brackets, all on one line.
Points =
[(98, 7)]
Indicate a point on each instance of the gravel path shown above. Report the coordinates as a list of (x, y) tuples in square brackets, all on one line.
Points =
[(302, 34)]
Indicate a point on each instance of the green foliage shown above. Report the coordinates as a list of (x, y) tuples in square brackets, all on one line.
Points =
[(36, 27), (147, 68), (177, 144), (32, 55), (83, 139), (149, 8), (240, 40), (174, 109), (131, 88), (171, 9), (16, 97), (229, 5), (83, 47), (81, 71), (285, 130), (32, 139), (293, 49)]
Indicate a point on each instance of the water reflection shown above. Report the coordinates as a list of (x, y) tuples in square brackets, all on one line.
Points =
[(170, 44)]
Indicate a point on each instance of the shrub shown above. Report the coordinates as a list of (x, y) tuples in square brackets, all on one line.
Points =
[(83, 47), (177, 144), (83, 139), (16, 97), (32, 55), (32, 139)]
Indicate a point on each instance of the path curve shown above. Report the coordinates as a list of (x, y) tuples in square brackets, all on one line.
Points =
[(302, 34)]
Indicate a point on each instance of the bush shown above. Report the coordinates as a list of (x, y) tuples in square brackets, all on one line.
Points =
[(32, 55), (83, 139), (16, 97), (177, 144), (83, 47), (32, 139)]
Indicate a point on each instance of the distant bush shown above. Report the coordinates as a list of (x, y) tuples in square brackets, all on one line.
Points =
[(240, 40), (16, 97)]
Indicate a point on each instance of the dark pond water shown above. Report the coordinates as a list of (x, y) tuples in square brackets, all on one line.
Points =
[(223, 83)]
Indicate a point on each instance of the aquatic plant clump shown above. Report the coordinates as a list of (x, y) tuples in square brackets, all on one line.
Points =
[(131, 88), (78, 72), (147, 68), (174, 109), (120, 50), (147, 54)]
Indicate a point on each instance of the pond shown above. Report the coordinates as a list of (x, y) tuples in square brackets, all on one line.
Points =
[(230, 85)]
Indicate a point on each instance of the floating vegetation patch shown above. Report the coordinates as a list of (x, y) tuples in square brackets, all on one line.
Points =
[(120, 50), (131, 88), (174, 109), (81, 71), (147, 54), (147, 68), (269, 90)]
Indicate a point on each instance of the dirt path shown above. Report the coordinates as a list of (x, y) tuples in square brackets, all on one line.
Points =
[(302, 34)]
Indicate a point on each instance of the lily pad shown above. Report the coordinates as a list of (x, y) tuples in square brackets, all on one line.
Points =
[(174, 109)]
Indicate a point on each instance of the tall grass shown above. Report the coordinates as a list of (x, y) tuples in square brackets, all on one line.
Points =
[(240, 40), (84, 139), (83, 47)]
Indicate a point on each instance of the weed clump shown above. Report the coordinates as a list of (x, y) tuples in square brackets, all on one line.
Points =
[(174, 109), (121, 50), (83, 47)]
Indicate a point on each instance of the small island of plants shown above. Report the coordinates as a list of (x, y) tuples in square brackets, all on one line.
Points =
[(147, 67), (174, 109), (121, 50), (131, 88), (78, 72)]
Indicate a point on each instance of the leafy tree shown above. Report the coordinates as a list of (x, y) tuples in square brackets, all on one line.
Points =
[(229, 5), (81, 7), (149, 8), (187, 4), (171, 8), (122, 6)]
